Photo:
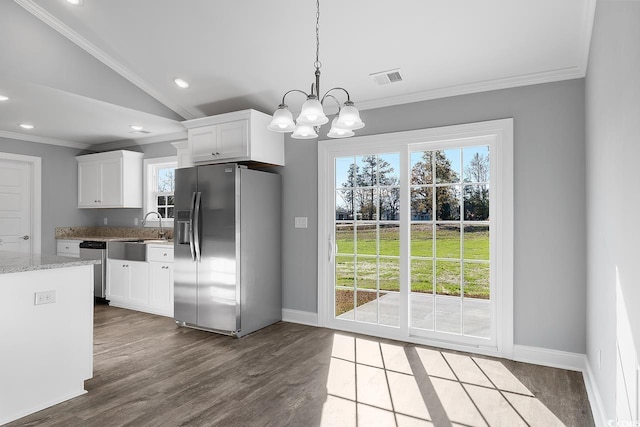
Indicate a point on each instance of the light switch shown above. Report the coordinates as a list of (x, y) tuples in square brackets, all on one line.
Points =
[(301, 222)]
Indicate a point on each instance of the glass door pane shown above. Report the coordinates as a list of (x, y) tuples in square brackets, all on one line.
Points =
[(449, 241), (444, 219), (367, 233)]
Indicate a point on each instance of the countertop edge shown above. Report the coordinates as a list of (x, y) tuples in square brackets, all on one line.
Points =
[(19, 263)]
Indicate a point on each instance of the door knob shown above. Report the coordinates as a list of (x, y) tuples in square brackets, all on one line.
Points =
[(25, 237)]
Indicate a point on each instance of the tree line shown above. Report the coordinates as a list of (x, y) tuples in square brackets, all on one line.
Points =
[(360, 199)]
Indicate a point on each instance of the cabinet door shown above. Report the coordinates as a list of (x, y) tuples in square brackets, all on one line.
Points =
[(233, 139), (88, 184), (204, 143), (139, 282), (161, 286), (111, 182), (117, 279)]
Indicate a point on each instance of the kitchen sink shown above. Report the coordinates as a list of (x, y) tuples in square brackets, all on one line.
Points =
[(129, 251)]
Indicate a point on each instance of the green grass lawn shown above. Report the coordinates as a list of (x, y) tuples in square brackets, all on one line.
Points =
[(358, 258)]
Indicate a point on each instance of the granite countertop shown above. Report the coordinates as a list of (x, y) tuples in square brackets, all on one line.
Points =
[(15, 262), (112, 234), (101, 238)]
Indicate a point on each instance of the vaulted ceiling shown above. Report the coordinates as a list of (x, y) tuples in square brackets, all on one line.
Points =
[(83, 74)]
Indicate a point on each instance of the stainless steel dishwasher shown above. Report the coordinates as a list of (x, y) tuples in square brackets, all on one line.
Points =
[(90, 249)]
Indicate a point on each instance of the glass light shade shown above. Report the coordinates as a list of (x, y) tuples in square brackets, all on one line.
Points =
[(337, 132), (282, 120), (349, 117), (312, 113), (304, 132)]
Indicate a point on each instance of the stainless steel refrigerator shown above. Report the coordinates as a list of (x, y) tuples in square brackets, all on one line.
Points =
[(227, 248)]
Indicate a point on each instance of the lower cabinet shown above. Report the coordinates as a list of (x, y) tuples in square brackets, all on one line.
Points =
[(142, 286), (70, 248), (161, 294)]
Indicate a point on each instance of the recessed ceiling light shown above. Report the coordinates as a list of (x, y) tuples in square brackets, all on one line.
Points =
[(181, 83), (26, 126), (4, 98), (136, 127), (75, 2)]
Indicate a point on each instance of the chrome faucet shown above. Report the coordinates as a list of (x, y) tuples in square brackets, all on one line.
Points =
[(144, 221)]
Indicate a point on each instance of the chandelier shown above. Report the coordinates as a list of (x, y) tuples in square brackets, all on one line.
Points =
[(312, 115)]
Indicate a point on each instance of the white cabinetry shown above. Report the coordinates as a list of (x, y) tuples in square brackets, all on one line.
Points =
[(110, 180), (69, 248), (233, 137), (128, 283), (143, 286)]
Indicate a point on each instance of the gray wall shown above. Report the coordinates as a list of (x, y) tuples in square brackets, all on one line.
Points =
[(59, 187), (613, 150), (550, 220)]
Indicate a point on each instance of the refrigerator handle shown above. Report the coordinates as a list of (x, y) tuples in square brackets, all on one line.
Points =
[(191, 209), (196, 229)]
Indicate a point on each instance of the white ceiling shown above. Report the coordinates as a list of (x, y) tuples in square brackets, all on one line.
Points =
[(83, 74)]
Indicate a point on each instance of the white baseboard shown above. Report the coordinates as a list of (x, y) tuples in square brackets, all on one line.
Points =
[(302, 317), (570, 361), (551, 358), (597, 407)]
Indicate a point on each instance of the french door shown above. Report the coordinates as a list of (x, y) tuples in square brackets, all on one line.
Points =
[(411, 240)]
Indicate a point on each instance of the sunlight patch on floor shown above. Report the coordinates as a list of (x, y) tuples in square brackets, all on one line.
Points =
[(380, 384)]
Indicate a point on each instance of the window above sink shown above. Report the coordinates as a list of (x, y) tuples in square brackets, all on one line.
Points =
[(159, 185)]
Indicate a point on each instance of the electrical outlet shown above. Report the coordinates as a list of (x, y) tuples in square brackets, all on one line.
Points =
[(300, 222), (45, 297), (135, 221), (105, 221)]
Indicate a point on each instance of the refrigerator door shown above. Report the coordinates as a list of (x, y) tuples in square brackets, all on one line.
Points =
[(185, 265), (219, 228)]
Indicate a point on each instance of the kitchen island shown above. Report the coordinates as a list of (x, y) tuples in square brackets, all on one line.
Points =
[(46, 331)]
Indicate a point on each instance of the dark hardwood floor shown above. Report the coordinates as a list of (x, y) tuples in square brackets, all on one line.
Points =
[(150, 372)]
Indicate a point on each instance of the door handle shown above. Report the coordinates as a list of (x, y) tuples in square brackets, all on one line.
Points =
[(196, 231), (25, 237), (191, 246), (331, 249)]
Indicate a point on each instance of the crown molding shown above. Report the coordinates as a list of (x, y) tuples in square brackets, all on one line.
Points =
[(587, 30), (466, 89), (100, 55), (125, 143), (43, 140)]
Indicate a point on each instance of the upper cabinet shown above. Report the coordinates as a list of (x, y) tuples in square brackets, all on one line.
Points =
[(232, 137), (110, 180)]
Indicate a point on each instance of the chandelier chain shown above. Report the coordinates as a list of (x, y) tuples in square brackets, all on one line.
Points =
[(317, 64)]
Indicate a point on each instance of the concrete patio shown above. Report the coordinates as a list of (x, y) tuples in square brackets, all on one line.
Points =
[(476, 318)]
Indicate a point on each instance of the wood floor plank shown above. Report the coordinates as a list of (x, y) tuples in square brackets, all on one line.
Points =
[(150, 372)]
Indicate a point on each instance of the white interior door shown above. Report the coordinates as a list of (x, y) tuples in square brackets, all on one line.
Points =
[(19, 203)]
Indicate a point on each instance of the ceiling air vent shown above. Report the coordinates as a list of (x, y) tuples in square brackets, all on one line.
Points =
[(386, 77)]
